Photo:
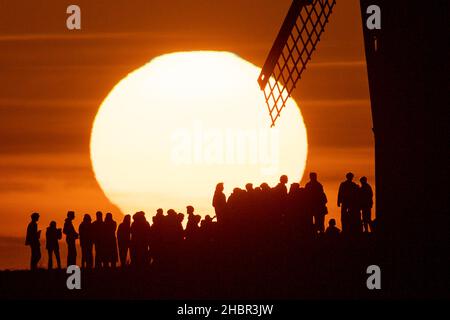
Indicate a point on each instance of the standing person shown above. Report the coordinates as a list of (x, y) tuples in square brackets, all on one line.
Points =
[(299, 219), (348, 201), (192, 224), (71, 237), (32, 240), (317, 201), (220, 202), (86, 242), (156, 235), (179, 231), (110, 227), (52, 235), (123, 239), (97, 232), (280, 194), (366, 203), (251, 216), (266, 207), (140, 231)]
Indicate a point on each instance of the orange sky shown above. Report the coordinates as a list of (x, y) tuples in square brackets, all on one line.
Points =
[(52, 82)]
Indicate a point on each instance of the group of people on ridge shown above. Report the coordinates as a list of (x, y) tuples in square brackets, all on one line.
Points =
[(299, 211)]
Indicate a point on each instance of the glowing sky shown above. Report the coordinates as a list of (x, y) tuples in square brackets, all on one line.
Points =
[(53, 81)]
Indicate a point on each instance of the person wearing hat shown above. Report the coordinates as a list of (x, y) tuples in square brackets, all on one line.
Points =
[(32, 240)]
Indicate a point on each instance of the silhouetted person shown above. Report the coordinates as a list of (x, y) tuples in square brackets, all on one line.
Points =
[(32, 240), (219, 202), (298, 219), (317, 201), (194, 232), (281, 186), (332, 231), (192, 224), (98, 237), (281, 197), (267, 206), (86, 242), (175, 234), (173, 230), (179, 227), (249, 204), (348, 201), (366, 203), (52, 236), (207, 228), (237, 216), (123, 239), (140, 231), (110, 227), (264, 186), (157, 234), (71, 237)]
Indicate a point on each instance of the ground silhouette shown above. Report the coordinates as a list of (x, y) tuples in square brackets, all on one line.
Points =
[(263, 242)]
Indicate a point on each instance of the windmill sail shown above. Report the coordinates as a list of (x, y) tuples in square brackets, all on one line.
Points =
[(291, 51)]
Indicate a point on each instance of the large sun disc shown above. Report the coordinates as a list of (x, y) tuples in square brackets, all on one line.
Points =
[(171, 130)]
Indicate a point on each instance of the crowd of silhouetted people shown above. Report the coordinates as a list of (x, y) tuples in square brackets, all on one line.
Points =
[(251, 214)]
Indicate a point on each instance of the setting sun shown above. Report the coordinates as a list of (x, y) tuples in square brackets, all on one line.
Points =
[(171, 130)]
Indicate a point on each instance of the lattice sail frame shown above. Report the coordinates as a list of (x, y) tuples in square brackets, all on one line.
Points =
[(293, 48)]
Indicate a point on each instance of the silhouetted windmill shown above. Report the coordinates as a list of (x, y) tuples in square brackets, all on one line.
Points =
[(407, 67), (292, 50)]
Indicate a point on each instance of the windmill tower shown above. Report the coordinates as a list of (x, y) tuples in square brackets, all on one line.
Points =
[(407, 66)]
